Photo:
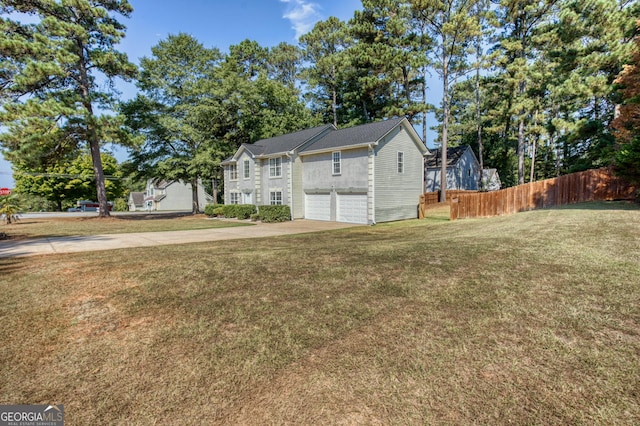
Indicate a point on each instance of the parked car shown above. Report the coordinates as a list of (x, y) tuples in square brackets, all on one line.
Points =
[(74, 209)]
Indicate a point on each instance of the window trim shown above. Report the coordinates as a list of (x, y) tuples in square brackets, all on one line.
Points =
[(400, 162), (335, 163), (275, 170), (233, 172), (273, 198), (246, 169)]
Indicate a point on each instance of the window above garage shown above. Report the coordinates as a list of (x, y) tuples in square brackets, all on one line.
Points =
[(336, 162)]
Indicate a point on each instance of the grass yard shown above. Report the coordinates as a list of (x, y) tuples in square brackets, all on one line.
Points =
[(83, 226), (527, 319)]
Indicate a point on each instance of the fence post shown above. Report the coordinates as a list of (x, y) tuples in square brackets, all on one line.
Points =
[(453, 209)]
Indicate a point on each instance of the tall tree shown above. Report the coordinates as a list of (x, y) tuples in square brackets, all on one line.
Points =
[(284, 63), (519, 20), (52, 81), (627, 123), (389, 58), (326, 75), (177, 112), (453, 25)]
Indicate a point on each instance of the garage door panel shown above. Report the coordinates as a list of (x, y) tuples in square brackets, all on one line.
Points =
[(317, 206), (353, 208)]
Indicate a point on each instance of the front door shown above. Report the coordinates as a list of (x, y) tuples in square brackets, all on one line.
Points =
[(247, 198)]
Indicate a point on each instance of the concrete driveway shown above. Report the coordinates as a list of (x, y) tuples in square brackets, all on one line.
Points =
[(52, 245)]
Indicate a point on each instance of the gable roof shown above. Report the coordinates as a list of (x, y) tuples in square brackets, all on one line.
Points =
[(137, 198), (159, 183), (353, 136), (278, 144), (286, 143), (453, 156), (329, 138)]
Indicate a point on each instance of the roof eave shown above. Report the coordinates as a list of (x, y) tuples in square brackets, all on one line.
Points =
[(339, 148)]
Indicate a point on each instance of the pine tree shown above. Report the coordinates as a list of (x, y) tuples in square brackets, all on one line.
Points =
[(327, 74), (389, 58), (52, 83), (627, 123), (453, 25)]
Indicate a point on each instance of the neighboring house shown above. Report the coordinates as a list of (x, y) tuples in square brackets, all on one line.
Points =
[(365, 174), (490, 180), (136, 201), (463, 169), (164, 195)]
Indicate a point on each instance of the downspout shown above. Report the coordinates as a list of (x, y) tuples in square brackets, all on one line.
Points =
[(289, 155), (372, 152)]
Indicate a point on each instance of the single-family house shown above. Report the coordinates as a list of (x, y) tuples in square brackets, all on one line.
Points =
[(168, 195), (463, 169), (491, 180), (364, 174), (136, 201)]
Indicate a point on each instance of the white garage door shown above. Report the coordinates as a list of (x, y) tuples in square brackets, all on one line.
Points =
[(317, 206), (352, 208)]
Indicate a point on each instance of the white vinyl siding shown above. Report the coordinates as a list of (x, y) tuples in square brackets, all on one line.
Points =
[(397, 194)]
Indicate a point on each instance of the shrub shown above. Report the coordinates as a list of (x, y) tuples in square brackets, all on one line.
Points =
[(229, 210), (274, 213), (120, 205), (240, 211), (210, 209), (244, 211), (255, 217)]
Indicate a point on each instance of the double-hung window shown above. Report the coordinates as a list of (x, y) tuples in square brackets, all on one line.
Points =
[(233, 172), (336, 162), (246, 169), (275, 167), (400, 162), (275, 198), (235, 197)]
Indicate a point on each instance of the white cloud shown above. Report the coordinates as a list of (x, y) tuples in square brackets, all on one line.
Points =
[(303, 15)]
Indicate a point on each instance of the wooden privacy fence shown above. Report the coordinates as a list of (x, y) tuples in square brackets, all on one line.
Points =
[(432, 199), (590, 185)]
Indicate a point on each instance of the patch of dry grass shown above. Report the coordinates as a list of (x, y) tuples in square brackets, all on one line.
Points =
[(528, 319), (83, 226)]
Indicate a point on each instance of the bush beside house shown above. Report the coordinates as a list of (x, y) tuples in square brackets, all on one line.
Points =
[(265, 213)]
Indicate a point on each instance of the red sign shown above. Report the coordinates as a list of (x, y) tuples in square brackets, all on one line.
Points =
[(5, 191)]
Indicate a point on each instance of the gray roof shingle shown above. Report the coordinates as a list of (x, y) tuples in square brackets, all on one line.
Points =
[(285, 143), (453, 156), (358, 135)]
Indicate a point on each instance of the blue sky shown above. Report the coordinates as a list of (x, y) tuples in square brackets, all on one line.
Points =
[(217, 23)]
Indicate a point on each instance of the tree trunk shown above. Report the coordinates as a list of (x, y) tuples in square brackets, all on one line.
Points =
[(521, 150), (334, 100), (445, 128), (478, 118), (92, 135), (195, 208), (533, 161)]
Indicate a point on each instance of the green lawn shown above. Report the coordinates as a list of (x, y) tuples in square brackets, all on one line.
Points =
[(82, 226), (527, 319)]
